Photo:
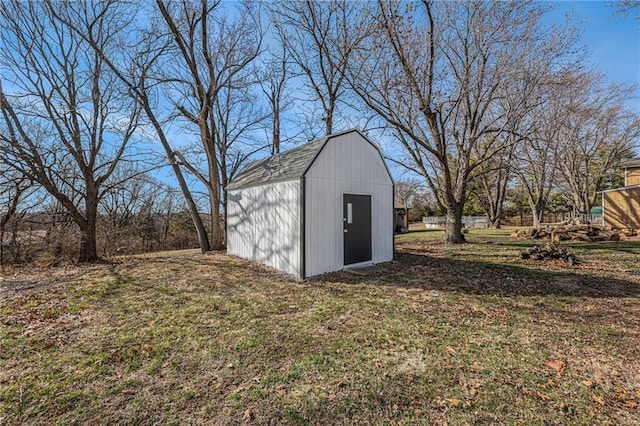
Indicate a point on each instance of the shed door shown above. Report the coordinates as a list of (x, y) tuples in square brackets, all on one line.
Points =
[(357, 228)]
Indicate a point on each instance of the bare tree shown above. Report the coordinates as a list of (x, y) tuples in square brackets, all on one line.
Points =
[(121, 207), (519, 97), (136, 65), (577, 133), (597, 131), (436, 72), (405, 191), (626, 8), (277, 73), (490, 187), (69, 121), (536, 159), (14, 187), (212, 54), (319, 38)]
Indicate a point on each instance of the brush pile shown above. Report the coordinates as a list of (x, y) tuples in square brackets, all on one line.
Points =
[(549, 251), (569, 231)]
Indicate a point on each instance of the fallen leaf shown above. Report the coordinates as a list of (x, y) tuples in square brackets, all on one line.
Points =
[(543, 395), (556, 365), (598, 399), (248, 415), (454, 402), (356, 394), (395, 407), (587, 383), (49, 345)]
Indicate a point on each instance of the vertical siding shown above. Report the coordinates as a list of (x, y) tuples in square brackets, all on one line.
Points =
[(632, 177), (263, 225), (347, 164), (622, 208)]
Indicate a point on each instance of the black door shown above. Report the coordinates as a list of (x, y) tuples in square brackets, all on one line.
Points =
[(357, 228)]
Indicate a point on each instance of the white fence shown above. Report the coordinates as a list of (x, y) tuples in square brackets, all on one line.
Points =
[(435, 222), (596, 219)]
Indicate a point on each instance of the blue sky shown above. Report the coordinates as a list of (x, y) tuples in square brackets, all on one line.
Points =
[(613, 41), (613, 44)]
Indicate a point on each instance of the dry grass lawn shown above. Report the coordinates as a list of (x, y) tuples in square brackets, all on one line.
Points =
[(444, 335)]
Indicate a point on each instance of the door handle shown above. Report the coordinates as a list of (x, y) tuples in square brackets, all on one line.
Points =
[(345, 230)]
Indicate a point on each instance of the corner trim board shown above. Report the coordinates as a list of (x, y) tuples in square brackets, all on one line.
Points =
[(303, 226)]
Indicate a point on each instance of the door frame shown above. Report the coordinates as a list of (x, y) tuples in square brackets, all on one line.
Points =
[(342, 219)]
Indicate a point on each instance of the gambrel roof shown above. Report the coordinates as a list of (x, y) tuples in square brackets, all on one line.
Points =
[(279, 167), (288, 165)]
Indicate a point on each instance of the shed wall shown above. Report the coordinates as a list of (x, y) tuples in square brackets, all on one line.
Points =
[(264, 223), (347, 164), (622, 208), (632, 177)]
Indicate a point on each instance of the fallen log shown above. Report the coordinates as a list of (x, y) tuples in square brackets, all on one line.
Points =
[(566, 231), (549, 251)]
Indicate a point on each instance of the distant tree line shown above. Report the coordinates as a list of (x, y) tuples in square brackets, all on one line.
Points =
[(476, 99), (139, 216)]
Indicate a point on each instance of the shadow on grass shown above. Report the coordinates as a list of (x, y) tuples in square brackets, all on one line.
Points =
[(411, 269), (632, 247)]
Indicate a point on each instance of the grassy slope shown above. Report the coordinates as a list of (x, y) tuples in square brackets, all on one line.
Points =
[(445, 335)]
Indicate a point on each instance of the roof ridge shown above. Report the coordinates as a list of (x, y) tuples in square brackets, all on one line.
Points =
[(288, 165)]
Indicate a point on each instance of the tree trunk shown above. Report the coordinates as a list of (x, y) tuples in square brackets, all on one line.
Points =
[(495, 222), (328, 120), (203, 240), (5, 218), (88, 251), (88, 240), (453, 228), (275, 143), (537, 212), (494, 213), (1, 246), (216, 228), (585, 204)]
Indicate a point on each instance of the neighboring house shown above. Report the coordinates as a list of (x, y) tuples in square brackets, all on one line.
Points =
[(317, 208), (621, 206)]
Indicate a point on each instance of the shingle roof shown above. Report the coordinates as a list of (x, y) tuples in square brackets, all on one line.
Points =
[(630, 162), (287, 165)]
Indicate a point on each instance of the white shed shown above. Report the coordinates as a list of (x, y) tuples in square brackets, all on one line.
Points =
[(320, 207)]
